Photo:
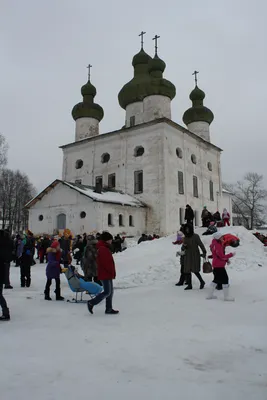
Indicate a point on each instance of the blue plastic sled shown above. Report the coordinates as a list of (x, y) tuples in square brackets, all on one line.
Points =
[(79, 285)]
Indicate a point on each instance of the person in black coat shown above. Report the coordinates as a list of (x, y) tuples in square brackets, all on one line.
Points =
[(6, 248), (189, 214)]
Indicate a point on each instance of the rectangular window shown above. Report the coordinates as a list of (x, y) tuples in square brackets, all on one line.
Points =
[(110, 220), (132, 121), (138, 182), (79, 181), (180, 182), (99, 181), (195, 186), (112, 181), (131, 223), (121, 220), (211, 191)]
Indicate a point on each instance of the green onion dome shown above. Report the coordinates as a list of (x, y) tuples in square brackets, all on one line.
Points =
[(147, 80), (87, 108), (160, 85), (198, 112), (140, 86)]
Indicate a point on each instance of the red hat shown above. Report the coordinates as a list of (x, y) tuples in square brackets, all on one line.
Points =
[(55, 244)]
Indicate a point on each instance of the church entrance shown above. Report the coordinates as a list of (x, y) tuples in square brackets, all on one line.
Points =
[(61, 221)]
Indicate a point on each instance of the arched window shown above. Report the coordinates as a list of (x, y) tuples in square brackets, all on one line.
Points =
[(83, 214), (209, 166), (61, 221), (131, 222), (139, 151), (105, 158), (110, 220), (41, 217), (179, 152), (193, 159), (79, 164), (121, 220)]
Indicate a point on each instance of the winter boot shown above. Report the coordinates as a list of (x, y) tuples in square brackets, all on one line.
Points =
[(226, 293), (181, 280), (202, 282), (59, 297), (22, 282), (90, 307), (211, 292), (6, 315), (8, 287), (28, 282), (112, 312), (189, 282), (47, 295)]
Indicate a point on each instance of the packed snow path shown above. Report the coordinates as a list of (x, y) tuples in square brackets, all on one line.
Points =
[(165, 344)]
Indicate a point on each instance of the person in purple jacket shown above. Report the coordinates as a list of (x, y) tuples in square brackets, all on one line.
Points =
[(53, 270)]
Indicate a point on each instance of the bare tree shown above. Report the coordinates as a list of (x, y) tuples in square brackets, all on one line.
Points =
[(16, 191), (248, 199), (3, 151)]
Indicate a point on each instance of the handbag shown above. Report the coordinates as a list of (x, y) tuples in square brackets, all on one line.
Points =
[(207, 267)]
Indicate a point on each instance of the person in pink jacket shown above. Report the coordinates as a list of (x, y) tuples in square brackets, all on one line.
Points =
[(219, 261), (226, 217)]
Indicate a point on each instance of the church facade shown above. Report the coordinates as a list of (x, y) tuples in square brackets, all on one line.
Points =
[(139, 178)]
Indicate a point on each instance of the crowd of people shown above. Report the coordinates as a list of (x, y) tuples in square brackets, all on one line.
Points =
[(207, 217), (146, 238), (95, 256)]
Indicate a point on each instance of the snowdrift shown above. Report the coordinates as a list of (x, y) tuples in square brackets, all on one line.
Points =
[(156, 261)]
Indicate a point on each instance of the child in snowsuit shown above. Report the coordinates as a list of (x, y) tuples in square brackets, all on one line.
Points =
[(219, 261), (211, 229), (226, 217), (53, 270), (183, 275)]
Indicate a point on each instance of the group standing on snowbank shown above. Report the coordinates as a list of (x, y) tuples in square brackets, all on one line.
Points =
[(190, 256)]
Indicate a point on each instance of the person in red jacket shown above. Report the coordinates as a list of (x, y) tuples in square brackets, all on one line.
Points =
[(219, 261), (106, 272)]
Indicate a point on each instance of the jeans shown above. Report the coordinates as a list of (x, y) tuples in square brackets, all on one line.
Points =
[(3, 303), (106, 294)]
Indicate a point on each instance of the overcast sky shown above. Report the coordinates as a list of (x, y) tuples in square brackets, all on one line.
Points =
[(46, 45)]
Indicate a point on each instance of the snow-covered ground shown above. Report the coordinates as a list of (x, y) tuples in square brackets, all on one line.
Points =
[(165, 344)]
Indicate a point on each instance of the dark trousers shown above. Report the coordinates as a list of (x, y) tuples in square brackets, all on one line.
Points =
[(3, 303), (25, 274), (189, 278), (49, 283), (7, 274), (106, 294)]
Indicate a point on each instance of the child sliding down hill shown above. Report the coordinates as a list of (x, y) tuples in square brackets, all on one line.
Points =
[(219, 261)]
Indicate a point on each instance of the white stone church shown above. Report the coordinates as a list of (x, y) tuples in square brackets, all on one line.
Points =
[(139, 178)]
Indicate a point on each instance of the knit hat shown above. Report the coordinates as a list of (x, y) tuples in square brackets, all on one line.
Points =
[(217, 235), (55, 244), (105, 236)]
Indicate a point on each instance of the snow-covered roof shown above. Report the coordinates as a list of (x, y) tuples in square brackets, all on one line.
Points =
[(227, 192), (106, 196)]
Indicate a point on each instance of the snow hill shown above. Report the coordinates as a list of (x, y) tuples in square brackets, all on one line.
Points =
[(155, 261)]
